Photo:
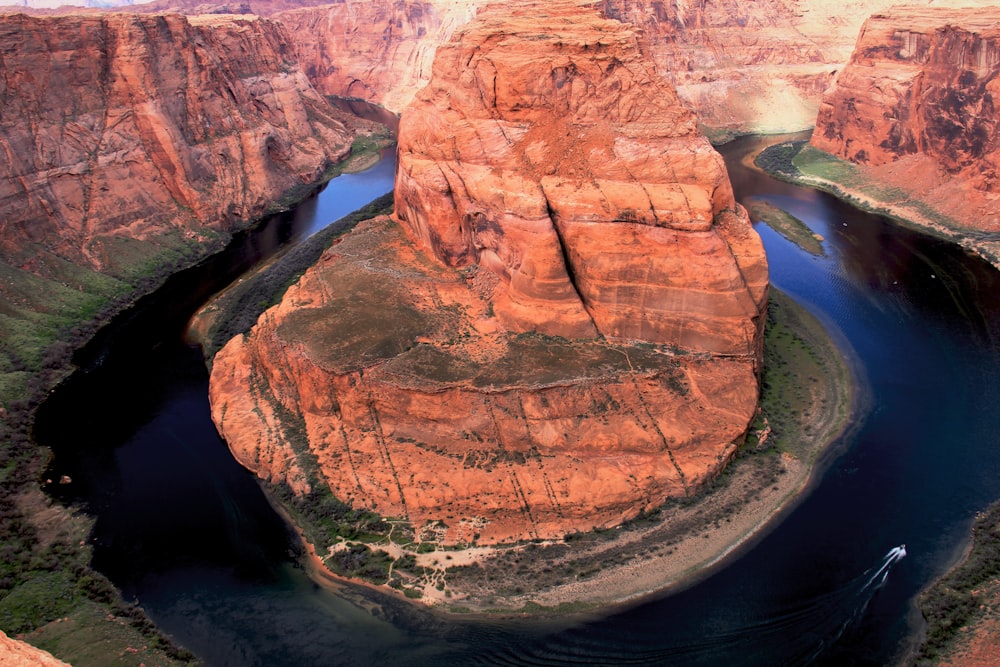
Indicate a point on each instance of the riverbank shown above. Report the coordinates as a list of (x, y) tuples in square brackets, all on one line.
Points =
[(809, 398), (48, 593), (961, 608), (798, 162)]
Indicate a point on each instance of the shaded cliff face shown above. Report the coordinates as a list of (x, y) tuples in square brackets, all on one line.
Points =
[(550, 153), (378, 51), (132, 127), (920, 82), (533, 351)]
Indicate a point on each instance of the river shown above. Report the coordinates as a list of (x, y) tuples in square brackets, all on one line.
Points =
[(184, 530)]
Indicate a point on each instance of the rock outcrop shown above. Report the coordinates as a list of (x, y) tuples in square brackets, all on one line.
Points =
[(15, 653), (563, 330), (119, 126), (916, 105)]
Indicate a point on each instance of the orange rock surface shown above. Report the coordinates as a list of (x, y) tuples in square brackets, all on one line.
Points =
[(551, 154), (568, 331), (134, 126), (916, 105), (15, 653)]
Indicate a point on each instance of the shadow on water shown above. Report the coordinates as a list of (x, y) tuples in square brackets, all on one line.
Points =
[(187, 532)]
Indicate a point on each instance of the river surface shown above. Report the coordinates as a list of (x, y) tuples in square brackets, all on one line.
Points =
[(184, 530)]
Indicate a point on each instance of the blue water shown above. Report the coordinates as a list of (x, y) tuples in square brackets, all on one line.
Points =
[(186, 531)]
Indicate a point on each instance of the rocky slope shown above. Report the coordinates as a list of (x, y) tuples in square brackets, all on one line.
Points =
[(569, 330), (131, 145), (126, 126), (752, 66), (916, 105)]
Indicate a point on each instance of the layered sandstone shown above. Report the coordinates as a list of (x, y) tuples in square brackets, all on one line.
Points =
[(121, 126), (378, 51), (550, 153), (562, 331), (756, 67), (916, 106)]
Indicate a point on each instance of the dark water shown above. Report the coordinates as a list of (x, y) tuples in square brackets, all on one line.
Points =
[(186, 531)]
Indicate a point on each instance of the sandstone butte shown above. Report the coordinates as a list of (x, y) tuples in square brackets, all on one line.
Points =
[(122, 127), (562, 325), (915, 106)]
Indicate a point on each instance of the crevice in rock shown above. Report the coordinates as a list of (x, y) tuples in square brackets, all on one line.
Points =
[(568, 265)]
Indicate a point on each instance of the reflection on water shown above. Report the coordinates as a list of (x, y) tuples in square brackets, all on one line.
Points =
[(188, 533)]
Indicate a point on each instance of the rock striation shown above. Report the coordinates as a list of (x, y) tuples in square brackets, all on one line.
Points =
[(916, 104), (919, 81), (556, 158), (123, 126), (561, 329)]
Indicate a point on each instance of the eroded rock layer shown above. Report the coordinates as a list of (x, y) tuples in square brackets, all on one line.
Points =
[(134, 126), (548, 151), (380, 51), (563, 332), (916, 104), (920, 81)]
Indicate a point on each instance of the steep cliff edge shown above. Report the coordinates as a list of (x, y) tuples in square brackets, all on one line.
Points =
[(567, 334), (132, 126), (915, 108), (130, 145)]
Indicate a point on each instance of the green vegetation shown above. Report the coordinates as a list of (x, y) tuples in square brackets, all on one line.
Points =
[(785, 224), (794, 401), (799, 162), (966, 594)]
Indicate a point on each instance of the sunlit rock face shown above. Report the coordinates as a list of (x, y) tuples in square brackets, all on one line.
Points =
[(916, 106), (919, 81), (560, 330), (122, 126), (547, 150)]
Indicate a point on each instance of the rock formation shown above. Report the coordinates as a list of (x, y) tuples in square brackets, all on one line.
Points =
[(380, 51), (15, 653), (562, 331), (121, 126), (916, 105)]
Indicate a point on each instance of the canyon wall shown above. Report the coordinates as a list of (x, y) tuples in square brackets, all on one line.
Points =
[(135, 126), (916, 106), (562, 329), (380, 51)]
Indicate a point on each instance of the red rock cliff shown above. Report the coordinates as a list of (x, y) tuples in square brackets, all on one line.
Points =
[(137, 126), (569, 332), (550, 153), (377, 50), (916, 105), (920, 81)]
